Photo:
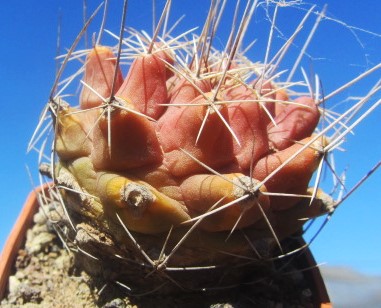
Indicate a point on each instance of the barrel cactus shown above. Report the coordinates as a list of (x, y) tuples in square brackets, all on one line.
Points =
[(190, 167)]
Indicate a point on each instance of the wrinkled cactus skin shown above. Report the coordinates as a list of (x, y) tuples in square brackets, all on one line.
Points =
[(159, 159), (194, 161)]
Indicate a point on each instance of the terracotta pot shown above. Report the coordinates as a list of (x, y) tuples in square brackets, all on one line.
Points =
[(17, 237), (303, 261), (306, 263)]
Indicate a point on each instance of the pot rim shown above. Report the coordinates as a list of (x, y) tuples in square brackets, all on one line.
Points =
[(17, 236)]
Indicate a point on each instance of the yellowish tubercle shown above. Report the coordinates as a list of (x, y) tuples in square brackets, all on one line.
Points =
[(141, 207), (72, 138)]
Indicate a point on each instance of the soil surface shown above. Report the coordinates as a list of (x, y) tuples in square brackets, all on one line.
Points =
[(45, 275)]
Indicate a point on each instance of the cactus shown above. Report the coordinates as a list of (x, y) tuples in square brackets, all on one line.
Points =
[(194, 166)]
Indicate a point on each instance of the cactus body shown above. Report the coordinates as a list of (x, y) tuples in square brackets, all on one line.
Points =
[(189, 169)]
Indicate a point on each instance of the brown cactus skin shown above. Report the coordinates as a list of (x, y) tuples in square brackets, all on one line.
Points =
[(181, 91), (215, 191), (145, 85), (99, 74), (301, 212), (294, 122), (72, 139), (293, 177), (248, 121), (133, 142), (126, 147), (178, 129)]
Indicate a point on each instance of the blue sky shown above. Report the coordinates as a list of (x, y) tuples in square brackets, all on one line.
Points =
[(28, 45)]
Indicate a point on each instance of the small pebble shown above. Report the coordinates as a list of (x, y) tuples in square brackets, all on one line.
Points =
[(62, 262), (115, 303), (40, 241), (29, 294), (14, 284), (39, 218), (20, 275)]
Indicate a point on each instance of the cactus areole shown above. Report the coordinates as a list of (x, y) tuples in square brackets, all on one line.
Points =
[(188, 169)]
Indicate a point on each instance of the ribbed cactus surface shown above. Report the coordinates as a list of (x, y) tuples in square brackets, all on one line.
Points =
[(191, 166)]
